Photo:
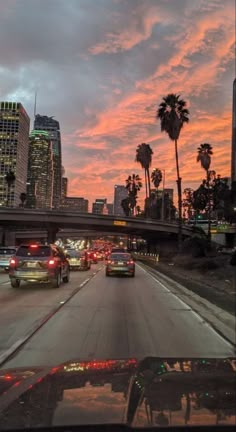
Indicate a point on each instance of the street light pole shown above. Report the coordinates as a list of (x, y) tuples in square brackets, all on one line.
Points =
[(163, 196)]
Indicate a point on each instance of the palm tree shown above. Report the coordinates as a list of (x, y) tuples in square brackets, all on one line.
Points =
[(133, 185), (23, 198), (204, 157), (10, 179), (144, 157), (173, 113), (156, 177)]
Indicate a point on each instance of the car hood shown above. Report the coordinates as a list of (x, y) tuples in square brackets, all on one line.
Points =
[(152, 392)]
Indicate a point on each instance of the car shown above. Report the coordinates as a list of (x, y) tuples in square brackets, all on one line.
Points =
[(118, 250), (99, 255), (39, 263), (93, 256), (79, 260), (5, 256), (120, 263)]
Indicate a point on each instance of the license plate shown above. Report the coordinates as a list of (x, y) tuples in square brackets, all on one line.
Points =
[(33, 264), (120, 263)]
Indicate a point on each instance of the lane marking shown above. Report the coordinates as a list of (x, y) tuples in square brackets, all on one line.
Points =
[(6, 355), (194, 311)]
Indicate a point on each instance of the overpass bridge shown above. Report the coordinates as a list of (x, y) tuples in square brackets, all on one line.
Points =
[(54, 220)]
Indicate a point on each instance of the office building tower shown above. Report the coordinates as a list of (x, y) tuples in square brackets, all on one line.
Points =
[(40, 171), (99, 206), (14, 142), (64, 190), (110, 208), (120, 193), (53, 128), (75, 204)]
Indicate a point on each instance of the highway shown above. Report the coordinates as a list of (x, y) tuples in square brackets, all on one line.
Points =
[(97, 317)]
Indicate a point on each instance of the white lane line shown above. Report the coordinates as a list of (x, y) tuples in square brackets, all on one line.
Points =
[(194, 311), (20, 342)]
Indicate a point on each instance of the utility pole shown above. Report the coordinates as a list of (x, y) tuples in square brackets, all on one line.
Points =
[(163, 196)]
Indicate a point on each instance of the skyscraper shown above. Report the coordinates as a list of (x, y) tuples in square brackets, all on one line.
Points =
[(98, 206), (14, 142), (40, 171), (233, 148), (53, 128), (64, 189), (120, 193)]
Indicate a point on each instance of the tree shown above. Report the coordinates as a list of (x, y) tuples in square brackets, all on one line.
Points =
[(204, 157), (156, 177), (144, 157), (23, 198), (173, 114), (133, 185), (10, 179), (188, 202)]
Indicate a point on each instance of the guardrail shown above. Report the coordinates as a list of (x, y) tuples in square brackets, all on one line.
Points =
[(146, 256)]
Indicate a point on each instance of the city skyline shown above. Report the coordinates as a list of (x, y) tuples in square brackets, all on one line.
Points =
[(104, 89)]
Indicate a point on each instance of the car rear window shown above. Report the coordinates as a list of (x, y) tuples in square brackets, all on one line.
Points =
[(39, 251), (120, 256), (73, 253), (7, 251)]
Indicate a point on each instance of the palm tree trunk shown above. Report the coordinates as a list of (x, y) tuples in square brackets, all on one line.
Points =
[(179, 189), (209, 209), (149, 183), (145, 173)]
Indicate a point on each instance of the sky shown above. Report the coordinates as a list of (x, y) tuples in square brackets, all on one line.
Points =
[(101, 68)]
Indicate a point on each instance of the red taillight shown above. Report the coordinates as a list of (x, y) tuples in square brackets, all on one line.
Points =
[(12, 262), (51, 262), (109, 262), (130, 262), (33, 246), (95, 255)]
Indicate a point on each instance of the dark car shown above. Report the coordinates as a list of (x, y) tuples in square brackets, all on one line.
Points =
[(93, 256), (39, 263), (5, 256), (120, 263), (79, 260)]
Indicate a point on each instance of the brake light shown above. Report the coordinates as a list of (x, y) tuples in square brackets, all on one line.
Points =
[(51, 262), (12, 262), (130, 262), (33, 246), (109, 262), (95, 255)]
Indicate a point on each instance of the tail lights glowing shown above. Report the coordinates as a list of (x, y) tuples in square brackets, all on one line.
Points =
[(34, 246), (51, 262), (12, 262), (130, 262)]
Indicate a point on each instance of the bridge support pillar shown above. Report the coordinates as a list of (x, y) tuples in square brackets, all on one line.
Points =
[(52, 233)]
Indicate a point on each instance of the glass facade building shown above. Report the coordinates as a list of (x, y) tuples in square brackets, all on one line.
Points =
[(76, 204), (120, 193), (52, 126), (40, 171), (14, 142)]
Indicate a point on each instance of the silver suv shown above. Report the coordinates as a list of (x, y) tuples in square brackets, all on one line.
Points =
[(39, 263)]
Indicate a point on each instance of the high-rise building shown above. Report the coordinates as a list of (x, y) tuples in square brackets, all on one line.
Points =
[(120, 193), (76, 204), (110, 208), (53, 128), (40, 170), (14, 142), (99, 206), (64, 189)]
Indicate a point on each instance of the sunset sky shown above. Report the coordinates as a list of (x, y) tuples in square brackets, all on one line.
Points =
[(101, 67)]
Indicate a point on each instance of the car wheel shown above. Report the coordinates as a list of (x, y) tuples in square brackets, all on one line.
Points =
[(107, 274), (15, 283), (56, 281), (66, 278)]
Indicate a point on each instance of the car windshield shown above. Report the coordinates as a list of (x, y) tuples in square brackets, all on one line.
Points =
[(7, 251), (120, 256), (31, 251), (118, 192)]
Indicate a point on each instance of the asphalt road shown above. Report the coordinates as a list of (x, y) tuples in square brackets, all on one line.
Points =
[(110, 317)]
